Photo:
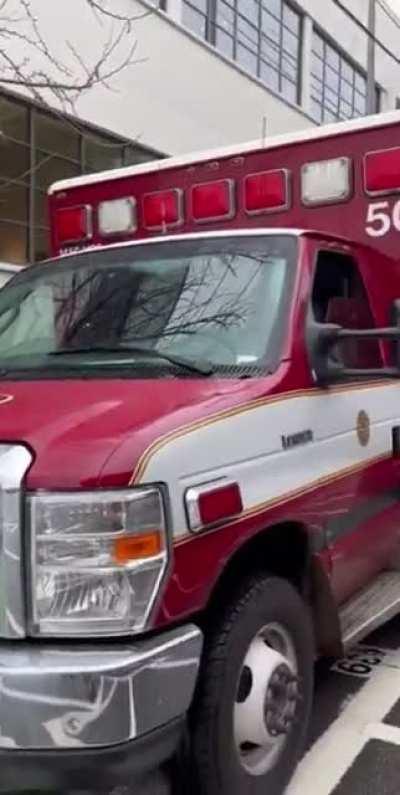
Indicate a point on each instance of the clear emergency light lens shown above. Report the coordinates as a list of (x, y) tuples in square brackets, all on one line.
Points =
[(117, 216), (266, 192), (163, 209), (326, 181), (382, 171), (97, 561), (73, 224), (213, 201)]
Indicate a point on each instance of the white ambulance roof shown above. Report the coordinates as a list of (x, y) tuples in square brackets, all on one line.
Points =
[(320, 132)]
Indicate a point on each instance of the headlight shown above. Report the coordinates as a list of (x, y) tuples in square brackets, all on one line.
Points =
[(98, 559)]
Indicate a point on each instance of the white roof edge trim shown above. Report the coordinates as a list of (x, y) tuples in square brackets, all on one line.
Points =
[(307, 134), (190, 236)]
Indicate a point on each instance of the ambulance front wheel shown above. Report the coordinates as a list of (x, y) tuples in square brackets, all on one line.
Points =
[(252, 708)]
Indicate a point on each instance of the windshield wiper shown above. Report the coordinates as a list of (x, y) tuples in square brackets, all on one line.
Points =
[(200, 367)]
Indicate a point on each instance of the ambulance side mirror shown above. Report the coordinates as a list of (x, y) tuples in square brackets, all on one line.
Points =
[(324, 350), (321, 341)]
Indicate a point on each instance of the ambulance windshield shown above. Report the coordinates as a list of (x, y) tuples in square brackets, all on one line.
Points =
[(195, 306)]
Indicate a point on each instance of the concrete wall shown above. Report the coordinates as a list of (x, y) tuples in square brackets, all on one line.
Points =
[(186, 96), (182, 95)]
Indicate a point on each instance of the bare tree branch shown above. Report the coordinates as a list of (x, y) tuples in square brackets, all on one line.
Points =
[(49, 76), (101, 7)]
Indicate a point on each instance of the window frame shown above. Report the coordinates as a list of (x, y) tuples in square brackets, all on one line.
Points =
[(255, 48), (344, 59)]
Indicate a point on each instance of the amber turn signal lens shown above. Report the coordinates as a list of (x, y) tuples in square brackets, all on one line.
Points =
[(137, 546)]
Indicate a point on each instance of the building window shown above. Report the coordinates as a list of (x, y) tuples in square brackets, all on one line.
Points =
[(263, 36), (194, 17), (338, 88), (14, 185), (36, 149)]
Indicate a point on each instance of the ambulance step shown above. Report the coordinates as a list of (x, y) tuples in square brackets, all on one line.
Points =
[(371, 607)]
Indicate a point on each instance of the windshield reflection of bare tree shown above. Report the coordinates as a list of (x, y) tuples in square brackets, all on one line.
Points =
[(125, 305)]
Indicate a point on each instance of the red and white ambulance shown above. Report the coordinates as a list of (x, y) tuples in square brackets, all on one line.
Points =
[(199, 459)]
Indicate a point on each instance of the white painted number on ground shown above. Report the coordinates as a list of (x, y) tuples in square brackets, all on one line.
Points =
[(360, 661), (382, 218)]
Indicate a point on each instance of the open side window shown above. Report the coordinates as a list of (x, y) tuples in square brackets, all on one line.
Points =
[(339, 297)]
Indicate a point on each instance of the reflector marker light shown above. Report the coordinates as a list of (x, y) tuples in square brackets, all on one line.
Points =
[(118, 216), (326, 181), (162, 210), (266, 192), (73, 224), (137, 547), (382, 171), (212, 503), (213, 201)]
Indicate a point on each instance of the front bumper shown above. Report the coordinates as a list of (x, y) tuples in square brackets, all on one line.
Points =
[(76, 703)]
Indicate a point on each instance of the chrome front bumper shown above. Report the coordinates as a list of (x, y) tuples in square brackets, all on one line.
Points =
[(72, 696)]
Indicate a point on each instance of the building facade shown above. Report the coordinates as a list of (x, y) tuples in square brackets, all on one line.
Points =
[(37, 148), (208, 73)]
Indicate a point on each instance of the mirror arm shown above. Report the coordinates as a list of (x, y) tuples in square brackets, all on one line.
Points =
[(389, 333), (331, 335), (384, 372)]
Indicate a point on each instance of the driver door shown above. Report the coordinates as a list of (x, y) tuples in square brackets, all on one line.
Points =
[(361, 511)]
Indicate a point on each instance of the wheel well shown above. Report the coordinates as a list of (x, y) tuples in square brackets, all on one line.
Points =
[(282, 550)]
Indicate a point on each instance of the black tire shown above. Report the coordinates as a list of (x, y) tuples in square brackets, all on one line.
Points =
[(214, 764)]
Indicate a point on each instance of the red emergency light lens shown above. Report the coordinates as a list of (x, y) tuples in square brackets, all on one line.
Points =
[(162, 210), (266, 192), (73, 224), (212, 503), (382, 171), (213, 201)]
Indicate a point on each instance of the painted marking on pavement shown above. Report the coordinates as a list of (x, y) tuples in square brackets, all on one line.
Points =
[(334, 752), (361, 661), (381, 731)]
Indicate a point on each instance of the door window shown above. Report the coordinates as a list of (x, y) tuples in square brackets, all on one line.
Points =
[(339, 297)]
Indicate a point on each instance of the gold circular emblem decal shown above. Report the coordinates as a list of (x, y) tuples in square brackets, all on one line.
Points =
[(363, 428)]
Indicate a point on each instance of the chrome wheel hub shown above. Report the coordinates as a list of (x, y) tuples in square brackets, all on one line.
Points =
[(280, 703), (266, 699)]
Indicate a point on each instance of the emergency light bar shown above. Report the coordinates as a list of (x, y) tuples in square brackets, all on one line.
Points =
[(266, 192), (321, 182), (382, 171), (326, 181)]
